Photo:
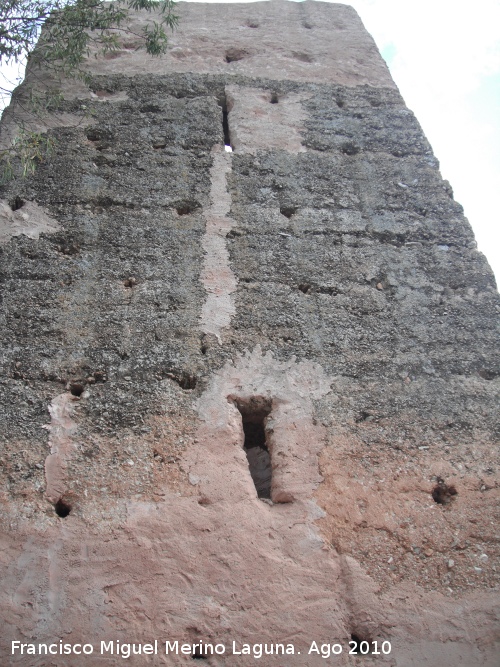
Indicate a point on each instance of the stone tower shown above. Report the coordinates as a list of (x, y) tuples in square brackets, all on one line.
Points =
[(247, 396)]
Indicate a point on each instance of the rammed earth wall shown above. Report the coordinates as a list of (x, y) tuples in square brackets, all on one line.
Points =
[(247, 397)]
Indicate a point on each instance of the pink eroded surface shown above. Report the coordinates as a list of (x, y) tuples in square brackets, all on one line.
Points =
[(216, 275), (62, 430), (199, 566), (307, 41)]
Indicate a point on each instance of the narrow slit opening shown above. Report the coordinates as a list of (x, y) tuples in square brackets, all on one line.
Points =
[(225, 129), (254, 413)]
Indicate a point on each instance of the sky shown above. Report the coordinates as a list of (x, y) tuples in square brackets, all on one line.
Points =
[(445, 59)]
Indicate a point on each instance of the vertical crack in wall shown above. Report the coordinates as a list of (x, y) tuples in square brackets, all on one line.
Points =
[(217, 277)]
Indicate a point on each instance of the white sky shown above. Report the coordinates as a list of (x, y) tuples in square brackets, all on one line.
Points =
[(445, 58)]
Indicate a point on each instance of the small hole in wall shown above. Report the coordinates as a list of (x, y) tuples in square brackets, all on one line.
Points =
[(188, 381), (62, 508), (340, 102), (198, 654), (303, 57), (487, 374), (305, 288), (254, 412), (274, 98), (288, 211), (252, 24), (233, 54), (130, 282), (349, 149), (98, 134), (17, 203), (76, 388), (150, 108), (185, 209), (443, 493), (363, 417), (184, 379)]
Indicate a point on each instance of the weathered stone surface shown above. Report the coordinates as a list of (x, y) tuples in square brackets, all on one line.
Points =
[(305, 42), (319, 281), (31, 221)]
